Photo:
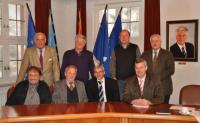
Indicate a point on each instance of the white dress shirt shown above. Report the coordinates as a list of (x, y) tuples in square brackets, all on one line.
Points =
[(38, 51), (141, 82)]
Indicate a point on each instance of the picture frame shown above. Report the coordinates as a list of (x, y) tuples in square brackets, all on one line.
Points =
[(182, 39)]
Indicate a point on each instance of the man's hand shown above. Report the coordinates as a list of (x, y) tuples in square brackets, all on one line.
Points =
[(143, 102)]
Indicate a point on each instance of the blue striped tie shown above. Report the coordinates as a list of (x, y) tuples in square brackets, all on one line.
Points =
[(101, 98)]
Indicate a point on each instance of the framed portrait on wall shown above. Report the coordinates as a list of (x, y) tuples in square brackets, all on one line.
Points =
[(182, 39)]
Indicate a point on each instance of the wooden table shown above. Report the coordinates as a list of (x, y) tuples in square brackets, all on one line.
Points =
[(115, 112)]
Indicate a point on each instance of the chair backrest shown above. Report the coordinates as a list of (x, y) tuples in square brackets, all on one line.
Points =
[(190, 95), (10, 91)]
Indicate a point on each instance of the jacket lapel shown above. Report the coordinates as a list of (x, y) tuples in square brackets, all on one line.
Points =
[(63, 90), (36, 57), (46, 58)]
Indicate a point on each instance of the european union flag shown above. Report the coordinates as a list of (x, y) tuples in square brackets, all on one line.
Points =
[(31, 31), (114, 36), (101, 48)]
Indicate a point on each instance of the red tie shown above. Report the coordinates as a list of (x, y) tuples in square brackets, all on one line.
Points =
[(41, 59), (71, 87)]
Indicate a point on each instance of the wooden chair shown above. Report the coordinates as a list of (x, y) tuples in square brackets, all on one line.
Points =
[(190, 95)]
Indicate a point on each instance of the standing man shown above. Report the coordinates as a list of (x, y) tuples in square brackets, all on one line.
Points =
[(122, 60), (69, 90), (182, 48), (81, 58), (101, 88), (160, 63), (143, 89), (43, 57)]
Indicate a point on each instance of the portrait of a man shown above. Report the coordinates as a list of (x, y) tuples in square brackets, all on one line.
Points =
[(182, 48)]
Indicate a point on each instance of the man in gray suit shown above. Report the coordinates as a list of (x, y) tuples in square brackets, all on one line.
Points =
[(160, 63), (142, 89), (69, 90)]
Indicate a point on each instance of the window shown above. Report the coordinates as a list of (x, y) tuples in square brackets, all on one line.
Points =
[(132, 17), (16, 19), (12, 38)]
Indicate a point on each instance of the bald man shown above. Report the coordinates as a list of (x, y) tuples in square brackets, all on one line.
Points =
[(43, 57)]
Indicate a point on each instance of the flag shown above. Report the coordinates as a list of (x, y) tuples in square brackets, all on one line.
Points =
[(101, 48), (31, 30), (114, 36), (52, 34)]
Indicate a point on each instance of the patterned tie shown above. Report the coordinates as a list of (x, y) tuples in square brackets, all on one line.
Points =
[(101, 98), (183, 52), (71, 87), (141, 87), (41, 59)]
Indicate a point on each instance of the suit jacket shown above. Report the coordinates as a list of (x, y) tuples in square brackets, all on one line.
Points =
[(111, 88), (19, 94), (176, 51), (60, 92), (152, 90), (51, 69), (164, 68)]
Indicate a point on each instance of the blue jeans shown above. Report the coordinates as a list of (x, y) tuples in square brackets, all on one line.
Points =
[(121, 84)]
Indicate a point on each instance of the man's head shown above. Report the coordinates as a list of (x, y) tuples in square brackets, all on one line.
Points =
[(70, 73), (40, 40), (124, 37), (140, 67), (99, 72), (34, 74), (155, 41), (80, 42), (181, 35)]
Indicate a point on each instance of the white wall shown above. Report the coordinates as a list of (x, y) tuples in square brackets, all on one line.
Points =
[(181, 10)]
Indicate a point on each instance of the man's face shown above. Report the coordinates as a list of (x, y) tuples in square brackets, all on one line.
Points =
[(181, 37), (70, 74), (79, 44), (33, 76), (155, 42), (124, 37), (99, 73), (140, 69), (40, 40)]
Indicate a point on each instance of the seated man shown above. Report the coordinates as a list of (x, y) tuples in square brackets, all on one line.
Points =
[(143, 89), (31, 91), (69, 90), (101, 88)]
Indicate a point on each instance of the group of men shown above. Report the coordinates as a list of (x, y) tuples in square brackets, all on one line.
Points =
[(137, 79)]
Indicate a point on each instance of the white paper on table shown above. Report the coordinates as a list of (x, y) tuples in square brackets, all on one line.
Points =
[(196, 114)]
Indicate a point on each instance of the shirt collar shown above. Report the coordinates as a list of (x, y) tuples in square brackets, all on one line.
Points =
[(181, 46), (102, 80), (143, 78)]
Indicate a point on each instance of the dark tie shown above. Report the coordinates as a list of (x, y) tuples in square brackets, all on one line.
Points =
[(183, 52), (101, 98), (154, 60), (41, 59), (71, 87)]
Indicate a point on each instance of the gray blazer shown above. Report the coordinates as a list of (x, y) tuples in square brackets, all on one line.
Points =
[(60, 92), (152, 90), (164, 68)]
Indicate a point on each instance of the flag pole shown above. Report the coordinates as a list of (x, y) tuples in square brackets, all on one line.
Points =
[(30, 14)]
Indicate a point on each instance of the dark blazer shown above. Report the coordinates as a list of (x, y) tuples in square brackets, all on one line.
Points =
[(19, 94), (164, 68), (111, 87), (152, 90), (176, 51)]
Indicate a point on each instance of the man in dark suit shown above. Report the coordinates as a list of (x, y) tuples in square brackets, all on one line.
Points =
[(160, 63), (107, 86), (31, 91), (143, 89), (182, 49)]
